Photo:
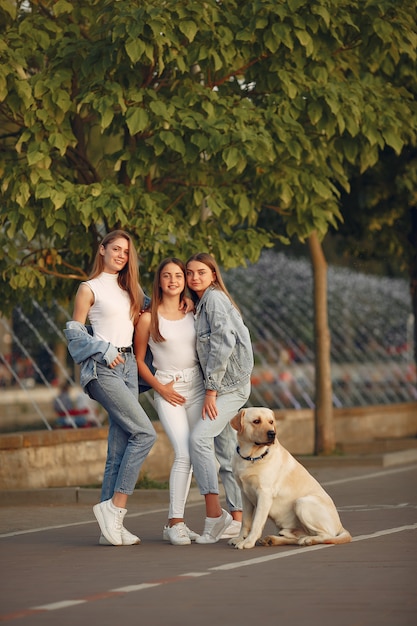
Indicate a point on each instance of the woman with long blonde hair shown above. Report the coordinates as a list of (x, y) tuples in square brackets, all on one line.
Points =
[(112, 300)]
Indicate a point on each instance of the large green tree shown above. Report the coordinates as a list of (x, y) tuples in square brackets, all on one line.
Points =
[(186, 121), (379, 228)]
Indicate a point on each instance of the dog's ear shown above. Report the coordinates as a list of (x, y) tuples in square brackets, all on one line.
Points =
[(237, 421)]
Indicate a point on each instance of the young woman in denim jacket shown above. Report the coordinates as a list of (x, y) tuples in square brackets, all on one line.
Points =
[(178, 383), (112, 300), (225, 353)]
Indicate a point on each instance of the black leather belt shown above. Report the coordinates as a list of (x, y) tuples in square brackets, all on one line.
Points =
[(125, 349)]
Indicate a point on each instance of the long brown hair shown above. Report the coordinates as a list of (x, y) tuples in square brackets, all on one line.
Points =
[(128, 277), (218, 283), (157, 295)]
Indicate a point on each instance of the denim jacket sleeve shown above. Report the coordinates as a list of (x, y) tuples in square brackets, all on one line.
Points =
[(82, 345), (223, 343)]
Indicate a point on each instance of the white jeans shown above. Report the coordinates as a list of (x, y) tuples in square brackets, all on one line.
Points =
[(178, 422)]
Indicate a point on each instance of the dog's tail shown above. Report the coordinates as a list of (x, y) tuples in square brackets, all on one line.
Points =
[(343, 537)]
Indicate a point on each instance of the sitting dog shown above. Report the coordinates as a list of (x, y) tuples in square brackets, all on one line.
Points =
[(275, 485)]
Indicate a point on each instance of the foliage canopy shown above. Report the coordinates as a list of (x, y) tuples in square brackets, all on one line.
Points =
[(183, 122)]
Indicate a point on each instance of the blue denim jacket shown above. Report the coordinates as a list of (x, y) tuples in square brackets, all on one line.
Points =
[(88, 350), (224, 345)]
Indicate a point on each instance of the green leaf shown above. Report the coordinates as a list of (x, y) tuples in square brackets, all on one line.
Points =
[(282, 33), (24, 91), (294, 5), (321, 189), (304, 38), (173, 141), (272, 41), (62, 7), (231, 156), (34, 156), (134, 49), (58, 198), (3, 87), (61, 228), (323, 12), (23, 194), (392, 139), (43, 191), (29, 230), (314, 112), (189, 29), (137, 120)]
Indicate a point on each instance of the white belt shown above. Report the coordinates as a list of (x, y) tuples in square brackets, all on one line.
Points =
[(180, 375)]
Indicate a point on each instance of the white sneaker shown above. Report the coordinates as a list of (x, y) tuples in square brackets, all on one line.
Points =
[(214, 527), (177, 534), (192, 535), (128, 539), (233, 530), (110, 520)]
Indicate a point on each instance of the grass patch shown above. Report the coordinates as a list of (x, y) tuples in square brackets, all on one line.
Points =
[(145, 482)]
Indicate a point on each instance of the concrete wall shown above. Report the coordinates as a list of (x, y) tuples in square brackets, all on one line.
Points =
[(64, 458)]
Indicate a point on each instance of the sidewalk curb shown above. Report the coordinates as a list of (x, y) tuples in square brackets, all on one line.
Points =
[(85, 496)]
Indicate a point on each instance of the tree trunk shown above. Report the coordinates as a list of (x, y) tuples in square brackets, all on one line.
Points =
[(324, 428), (412, 237)]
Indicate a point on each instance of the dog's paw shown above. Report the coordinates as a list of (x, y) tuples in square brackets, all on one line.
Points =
[(235, 540), (244, 544), (265, 541), (306, 541)]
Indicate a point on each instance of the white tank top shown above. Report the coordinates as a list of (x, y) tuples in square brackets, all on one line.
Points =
[(178, 351), (110, 314)]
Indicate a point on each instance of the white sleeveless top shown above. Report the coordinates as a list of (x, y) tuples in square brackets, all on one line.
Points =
[(178, 351), (110, 314)]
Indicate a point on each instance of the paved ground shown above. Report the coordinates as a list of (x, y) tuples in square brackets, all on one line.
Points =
[(53, 572)]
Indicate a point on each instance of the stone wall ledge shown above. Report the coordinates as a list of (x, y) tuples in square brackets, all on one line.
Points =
[(76, 457), (13, 441)]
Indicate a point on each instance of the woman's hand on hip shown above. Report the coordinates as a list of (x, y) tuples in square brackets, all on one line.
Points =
[(170, 395), (117, 361), (209, 407)]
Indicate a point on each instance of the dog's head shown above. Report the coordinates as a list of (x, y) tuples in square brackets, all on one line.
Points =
[(255, 425)]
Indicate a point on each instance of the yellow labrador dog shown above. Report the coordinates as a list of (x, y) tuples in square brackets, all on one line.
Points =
[(275, 485)]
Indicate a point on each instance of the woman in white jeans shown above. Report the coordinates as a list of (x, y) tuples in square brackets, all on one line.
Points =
[(178, 383)]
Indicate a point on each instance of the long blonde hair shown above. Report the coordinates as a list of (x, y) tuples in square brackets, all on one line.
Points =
[(207, 259), (128, 277), (157, 296)]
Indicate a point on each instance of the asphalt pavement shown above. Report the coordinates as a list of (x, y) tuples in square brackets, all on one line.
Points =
[(53, 572)]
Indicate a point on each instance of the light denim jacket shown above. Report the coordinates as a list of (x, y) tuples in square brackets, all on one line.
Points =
[(88, 350), (224, 345)]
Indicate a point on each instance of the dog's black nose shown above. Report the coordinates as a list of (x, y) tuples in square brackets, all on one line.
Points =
[(271, 435)]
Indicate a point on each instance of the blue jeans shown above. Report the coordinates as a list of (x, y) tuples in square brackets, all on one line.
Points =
[(216, 438), (131, 434)]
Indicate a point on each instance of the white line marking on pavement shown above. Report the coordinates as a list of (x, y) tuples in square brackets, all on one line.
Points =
[(281, 555), (138, 587), (352, 479), (388, 531), (90, 521), (225, 567), (269, 557), (341, 481), (359, 508), (55, 606)]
